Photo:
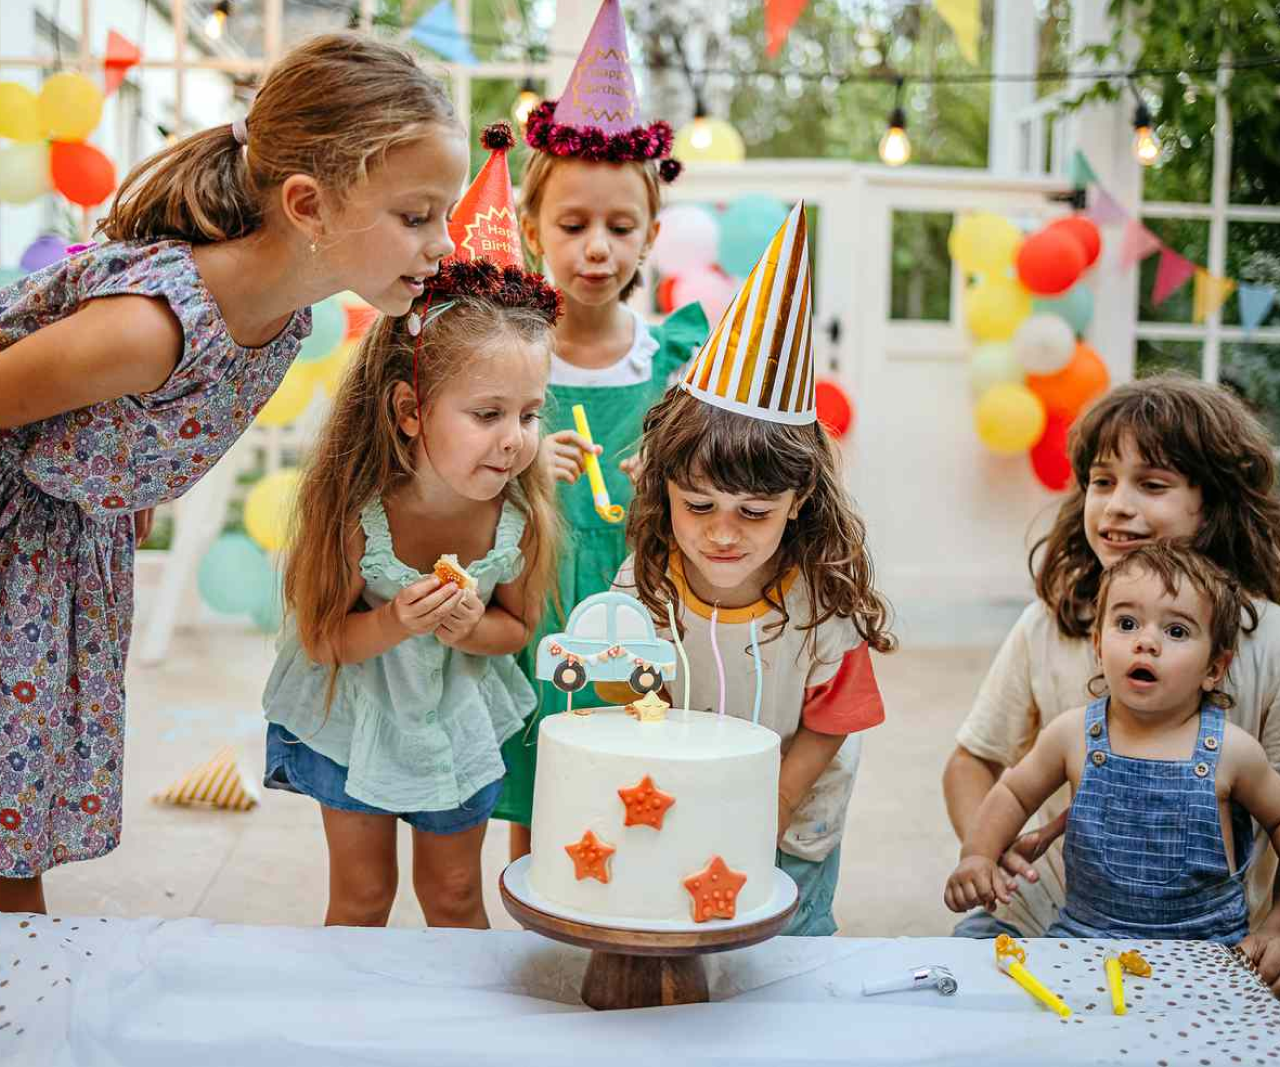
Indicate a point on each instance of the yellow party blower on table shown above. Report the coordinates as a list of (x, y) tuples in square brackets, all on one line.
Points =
[(1010, 957), (599, 491)]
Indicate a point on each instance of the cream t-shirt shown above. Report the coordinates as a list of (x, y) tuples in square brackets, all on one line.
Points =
[(1038, 674)]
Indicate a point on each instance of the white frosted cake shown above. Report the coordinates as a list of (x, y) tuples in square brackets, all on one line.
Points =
[(688, 805)]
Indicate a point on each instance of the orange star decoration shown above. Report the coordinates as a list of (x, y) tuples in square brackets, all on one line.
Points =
[(715, 891), (590, 858), (646, 804)]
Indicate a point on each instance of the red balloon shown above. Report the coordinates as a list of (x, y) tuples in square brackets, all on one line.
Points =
[(81, 173), (835, 409), (1049, 455), (1049, 262), (666, 296), (1084, 231)]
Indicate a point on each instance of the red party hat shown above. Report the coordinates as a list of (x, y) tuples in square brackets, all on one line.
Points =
[(484, 222)]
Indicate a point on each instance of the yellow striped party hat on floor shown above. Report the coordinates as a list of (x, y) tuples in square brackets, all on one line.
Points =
[(220, 783), (759, 360)]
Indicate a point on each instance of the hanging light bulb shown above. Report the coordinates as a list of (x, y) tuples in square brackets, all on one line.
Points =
[(895, 145), (217, 19), (707, 140), (701, 133), (527, 99), (1146, 145)]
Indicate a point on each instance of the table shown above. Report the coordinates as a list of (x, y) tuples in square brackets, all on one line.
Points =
[(106, 992)]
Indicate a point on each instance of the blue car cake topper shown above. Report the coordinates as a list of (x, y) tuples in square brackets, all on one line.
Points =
[(609, 638)]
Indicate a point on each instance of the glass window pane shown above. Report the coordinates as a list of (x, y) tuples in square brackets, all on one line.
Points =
[(1253, 371), (511, 30), (494, 100), (1185, 170), (920, 266), (1054, 46), (1189, 237), (1253, 257), (1156, 356)]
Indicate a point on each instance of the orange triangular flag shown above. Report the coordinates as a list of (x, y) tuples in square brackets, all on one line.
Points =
[(220, 783), (1210, 294), (121, 55)]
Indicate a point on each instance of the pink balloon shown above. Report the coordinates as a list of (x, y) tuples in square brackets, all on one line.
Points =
[(687, 240), (708, 287)]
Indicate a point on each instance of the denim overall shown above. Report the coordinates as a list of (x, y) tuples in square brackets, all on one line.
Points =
[(1144, 852)]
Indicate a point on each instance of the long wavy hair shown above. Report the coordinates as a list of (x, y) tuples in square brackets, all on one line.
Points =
[(692, 443), (1204, 432), (362, 453)]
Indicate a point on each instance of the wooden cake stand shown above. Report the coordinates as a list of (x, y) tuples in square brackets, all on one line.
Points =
[(632, 968)]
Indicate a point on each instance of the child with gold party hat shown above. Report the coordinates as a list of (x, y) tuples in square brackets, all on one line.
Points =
[(742, 527)]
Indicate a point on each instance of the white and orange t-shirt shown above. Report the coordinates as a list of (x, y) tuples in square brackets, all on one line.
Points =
[(831, 689)]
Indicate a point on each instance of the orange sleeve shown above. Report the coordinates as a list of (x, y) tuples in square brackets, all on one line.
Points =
[(850, 701)]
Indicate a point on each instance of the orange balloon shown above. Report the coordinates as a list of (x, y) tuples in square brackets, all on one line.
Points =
[(81, 173), (1066, 393)]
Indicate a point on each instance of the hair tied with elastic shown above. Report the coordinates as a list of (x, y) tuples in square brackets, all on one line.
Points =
[(240, 131)]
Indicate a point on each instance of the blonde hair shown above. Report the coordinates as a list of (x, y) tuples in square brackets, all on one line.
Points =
[(542, 166), (363, 454), (331, 108)]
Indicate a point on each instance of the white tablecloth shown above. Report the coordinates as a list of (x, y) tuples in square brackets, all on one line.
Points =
[(188, 993)]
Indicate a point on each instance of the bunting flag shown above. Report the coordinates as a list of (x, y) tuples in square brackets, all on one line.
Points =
[(1173, 273), (438, 30), (220, 783), (1211, 293), (779, 17), (965, 19), (1139, 242), (1106, 209), (1256, 302), (1080, 172), (121, 55)]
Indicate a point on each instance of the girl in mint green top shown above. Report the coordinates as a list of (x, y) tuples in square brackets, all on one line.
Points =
[(394, 689)]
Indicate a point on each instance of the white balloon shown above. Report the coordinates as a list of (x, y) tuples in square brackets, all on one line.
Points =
[(24, 172), (687, 240), (1044, 344), (993, 364)]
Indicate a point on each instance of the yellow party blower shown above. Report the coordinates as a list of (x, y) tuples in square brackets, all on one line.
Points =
[(613, 513), (1010, 957)]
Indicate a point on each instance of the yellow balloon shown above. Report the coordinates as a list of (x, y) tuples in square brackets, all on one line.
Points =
[(994, 308), (328, 372), (708, 141), (18, 118), (290, 400), (268, 507), (984, 243), (1009, 418), (24, 172), (69, 106)]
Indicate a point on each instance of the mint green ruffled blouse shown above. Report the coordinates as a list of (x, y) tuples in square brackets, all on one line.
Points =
[(419, 728)]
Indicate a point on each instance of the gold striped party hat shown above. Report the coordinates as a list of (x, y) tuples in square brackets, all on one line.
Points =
[(759, 360), (220, 783)]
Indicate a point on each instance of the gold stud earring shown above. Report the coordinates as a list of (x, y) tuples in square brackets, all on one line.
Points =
[(314, 248)]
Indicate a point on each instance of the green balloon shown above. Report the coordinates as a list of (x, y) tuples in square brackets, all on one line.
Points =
[(1075, 306), (746, 228), (991, 364), (268, 614), (233, 575), (328, 328)]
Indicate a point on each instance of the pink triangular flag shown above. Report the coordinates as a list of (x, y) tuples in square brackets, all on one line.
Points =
[(601, 91), (1106, 209), (1173, 273), (1139, 242), (121, 55)]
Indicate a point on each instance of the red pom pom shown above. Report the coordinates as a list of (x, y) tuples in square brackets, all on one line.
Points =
[(1049, 262), (669, 170), (498, 137)]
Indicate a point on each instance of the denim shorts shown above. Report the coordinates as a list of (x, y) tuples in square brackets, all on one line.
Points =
[(816, 881), (298, 768)]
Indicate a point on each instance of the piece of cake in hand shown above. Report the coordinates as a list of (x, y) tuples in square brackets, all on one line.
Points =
[(448, 569)]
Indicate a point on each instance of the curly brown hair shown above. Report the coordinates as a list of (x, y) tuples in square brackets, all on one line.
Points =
[(687, 441), (1204, 432)]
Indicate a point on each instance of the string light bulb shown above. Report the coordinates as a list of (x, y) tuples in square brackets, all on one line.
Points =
[(1146, 145), (895, 145), (700, 134), (526, 100), (217, 19)]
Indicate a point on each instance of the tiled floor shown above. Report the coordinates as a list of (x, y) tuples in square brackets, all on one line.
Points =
[(269, 865)]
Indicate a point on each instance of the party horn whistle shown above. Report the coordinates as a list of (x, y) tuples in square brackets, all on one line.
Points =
[(1115, 982), (1009, 957), (599, 491)]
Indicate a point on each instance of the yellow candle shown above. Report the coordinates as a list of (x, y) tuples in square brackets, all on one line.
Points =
[(1115, 982), (1032, 985), (613, 513)]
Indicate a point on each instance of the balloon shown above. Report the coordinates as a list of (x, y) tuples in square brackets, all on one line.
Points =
[(18, 118), (1050, 262), (268, 613), (994, 308), (81, 173), (991, 364), (69, 107), (1085, 232), (688, 238), (268, 506), (290, 399), (1083, 379), (1049, 457), (984, 243), (328, 328), (746, 228), (9, 276), (233, 574), (1075, 306), (43, 251), (835, 409), (1044, 344), (1009, 418), (708, 141), (666, 301), (710, 288), (328, 372), (24, 172), (360, 319)]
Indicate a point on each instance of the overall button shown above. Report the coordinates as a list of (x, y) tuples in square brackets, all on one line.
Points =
[(1211, 743), (1099, 758), (1202, 769), (1095, 730)]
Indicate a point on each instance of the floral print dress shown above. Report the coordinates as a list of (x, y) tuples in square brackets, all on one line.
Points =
[(69, 486)]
